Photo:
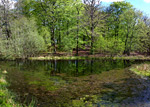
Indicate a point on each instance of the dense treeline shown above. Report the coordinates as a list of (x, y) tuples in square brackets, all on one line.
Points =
[(36, 26)]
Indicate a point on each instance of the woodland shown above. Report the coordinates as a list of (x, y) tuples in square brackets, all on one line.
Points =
[(33, 27), (67, 35)]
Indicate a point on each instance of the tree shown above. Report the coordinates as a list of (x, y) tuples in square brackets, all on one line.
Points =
[(114, 28), (141, 43), (114, 11), (78, 7), (93, 13), (129, 22), (45, 13), (56, 15)]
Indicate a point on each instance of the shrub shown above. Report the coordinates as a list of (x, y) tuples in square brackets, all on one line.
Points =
[(24, 41)]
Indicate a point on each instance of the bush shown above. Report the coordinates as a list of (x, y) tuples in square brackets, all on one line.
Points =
[(111, 45), (68, 43), (24, 41)]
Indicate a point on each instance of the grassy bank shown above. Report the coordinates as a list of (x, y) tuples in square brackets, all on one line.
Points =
[(89, 57), (141, 70), (65, 58), (7, 98)]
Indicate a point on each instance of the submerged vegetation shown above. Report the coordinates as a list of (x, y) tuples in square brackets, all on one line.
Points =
[(72, 83), (142, 70), (7, 98)]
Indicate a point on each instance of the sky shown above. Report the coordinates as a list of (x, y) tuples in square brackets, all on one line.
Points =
[(143, 5), (11, 2)]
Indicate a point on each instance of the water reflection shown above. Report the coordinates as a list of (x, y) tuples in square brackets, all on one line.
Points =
[(57, 83), (70, 67)]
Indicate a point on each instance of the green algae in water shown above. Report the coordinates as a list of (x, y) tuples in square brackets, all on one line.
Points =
[(41, 79)]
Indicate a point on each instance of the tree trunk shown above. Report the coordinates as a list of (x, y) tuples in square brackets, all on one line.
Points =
[(126, 51), (53, 39), (92, 40), (77, 47), (59, 38)]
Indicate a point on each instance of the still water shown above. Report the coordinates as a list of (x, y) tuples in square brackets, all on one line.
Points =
[(78, 83)]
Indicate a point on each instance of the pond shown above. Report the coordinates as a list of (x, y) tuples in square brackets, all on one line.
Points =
[(77, 83)]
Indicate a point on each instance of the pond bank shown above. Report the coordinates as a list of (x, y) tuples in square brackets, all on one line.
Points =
[(89, 57), (7, 98), (141, 70), (63, 56)]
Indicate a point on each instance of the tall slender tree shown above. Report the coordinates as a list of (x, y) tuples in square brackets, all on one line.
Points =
[(129, 22)]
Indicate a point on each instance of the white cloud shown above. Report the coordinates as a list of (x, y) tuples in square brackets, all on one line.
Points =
[(11, 3), (147, 1), (115, 0)]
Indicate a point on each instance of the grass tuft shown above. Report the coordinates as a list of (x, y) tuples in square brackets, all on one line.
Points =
[(7, 97), (142, 70)]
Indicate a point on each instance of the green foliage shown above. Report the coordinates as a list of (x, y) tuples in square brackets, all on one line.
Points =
[(141, 42), (25, 40), (44, 32), (110, 45), (100, 44), (68, 43), (67, 25), (115, 46), (131, 24)]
